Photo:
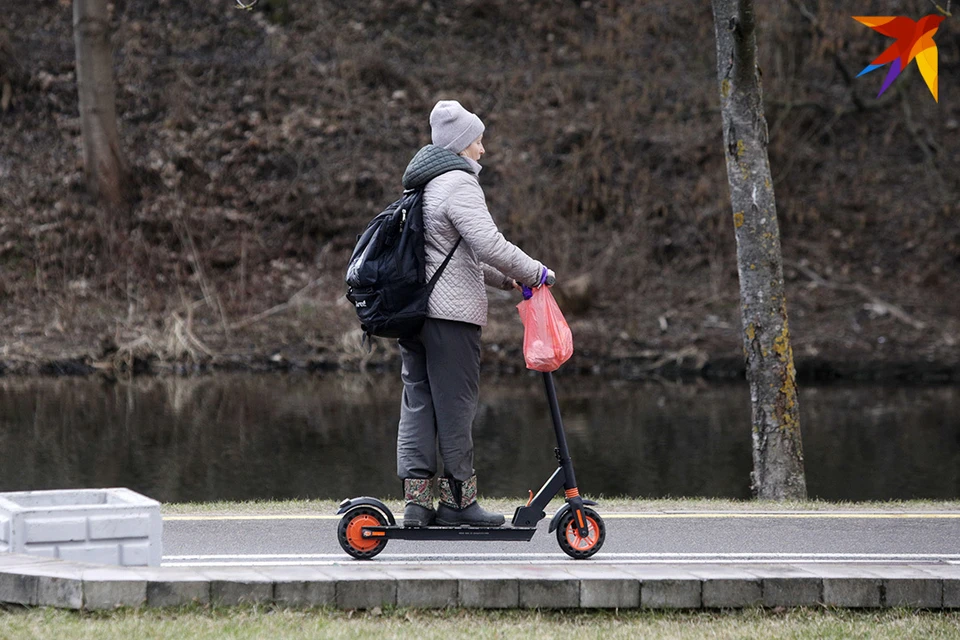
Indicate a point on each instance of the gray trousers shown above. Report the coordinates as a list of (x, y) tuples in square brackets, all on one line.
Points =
[(441, 386)]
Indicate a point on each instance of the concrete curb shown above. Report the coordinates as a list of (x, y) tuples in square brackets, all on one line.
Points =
[(31, 580)]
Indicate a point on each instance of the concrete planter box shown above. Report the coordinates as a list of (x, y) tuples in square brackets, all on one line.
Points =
[(107, 526)]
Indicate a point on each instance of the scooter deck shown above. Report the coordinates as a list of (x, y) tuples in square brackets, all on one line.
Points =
[(504, 533)]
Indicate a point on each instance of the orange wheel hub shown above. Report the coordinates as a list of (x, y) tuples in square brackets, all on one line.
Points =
[(583, 544), (355, 532)]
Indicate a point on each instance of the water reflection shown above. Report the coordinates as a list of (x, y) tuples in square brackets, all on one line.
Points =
[(274, 436)]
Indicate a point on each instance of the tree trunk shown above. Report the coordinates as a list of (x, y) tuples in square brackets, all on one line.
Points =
[(103, 164), (777, 452)]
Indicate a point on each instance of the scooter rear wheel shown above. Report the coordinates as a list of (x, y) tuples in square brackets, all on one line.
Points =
[(568, 534), (349, 533)]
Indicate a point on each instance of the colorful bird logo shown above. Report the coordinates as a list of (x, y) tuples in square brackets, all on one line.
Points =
[(914, 40)]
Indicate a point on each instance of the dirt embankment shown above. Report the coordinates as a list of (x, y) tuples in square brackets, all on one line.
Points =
[(261, 142)]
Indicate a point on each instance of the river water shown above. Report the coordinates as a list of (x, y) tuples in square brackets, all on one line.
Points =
[(244, 437)]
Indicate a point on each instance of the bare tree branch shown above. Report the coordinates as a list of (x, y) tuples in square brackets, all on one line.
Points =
[(874, 302), (283, 306), (848, 77), (944, 11), (927, 147)]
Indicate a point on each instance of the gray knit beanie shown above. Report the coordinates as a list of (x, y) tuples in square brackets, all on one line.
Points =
[(453, 127)]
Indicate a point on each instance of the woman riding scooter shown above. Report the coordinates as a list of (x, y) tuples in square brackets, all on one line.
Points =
[(441, 366)]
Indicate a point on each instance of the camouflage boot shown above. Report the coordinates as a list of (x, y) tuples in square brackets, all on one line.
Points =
[(419, 511), (458, 505)]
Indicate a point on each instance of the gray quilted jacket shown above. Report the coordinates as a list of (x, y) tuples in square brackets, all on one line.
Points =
[(454, 207)]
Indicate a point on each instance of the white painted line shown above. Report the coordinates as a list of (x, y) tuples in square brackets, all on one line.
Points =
[(768, 556), (347, 561), (319, 559)]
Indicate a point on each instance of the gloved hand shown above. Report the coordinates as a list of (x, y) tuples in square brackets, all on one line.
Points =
[(547, 277)]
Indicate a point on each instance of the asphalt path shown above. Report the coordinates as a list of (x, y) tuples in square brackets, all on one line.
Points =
[(689, 537)]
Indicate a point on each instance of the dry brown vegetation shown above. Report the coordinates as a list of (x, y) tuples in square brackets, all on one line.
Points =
[(261, 142)]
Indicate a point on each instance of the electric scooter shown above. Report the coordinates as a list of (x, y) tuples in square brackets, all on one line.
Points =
[(368, 524)]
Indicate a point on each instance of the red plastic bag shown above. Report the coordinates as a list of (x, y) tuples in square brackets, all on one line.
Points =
[(547, 341)]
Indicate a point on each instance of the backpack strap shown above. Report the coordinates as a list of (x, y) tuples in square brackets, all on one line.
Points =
[(443, 265)]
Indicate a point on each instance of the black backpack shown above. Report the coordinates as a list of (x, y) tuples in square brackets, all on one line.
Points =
[(386, 275)]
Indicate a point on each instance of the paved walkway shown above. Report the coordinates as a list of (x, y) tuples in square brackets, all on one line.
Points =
[(31, 580), (681, 560)]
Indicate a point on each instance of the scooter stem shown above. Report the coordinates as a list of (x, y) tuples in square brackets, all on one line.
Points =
[(563, 454)]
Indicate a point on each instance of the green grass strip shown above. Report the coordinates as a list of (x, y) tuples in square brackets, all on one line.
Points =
[(242, 623)]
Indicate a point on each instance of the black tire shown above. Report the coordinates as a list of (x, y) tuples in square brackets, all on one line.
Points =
[(576, 548), (360, 549)]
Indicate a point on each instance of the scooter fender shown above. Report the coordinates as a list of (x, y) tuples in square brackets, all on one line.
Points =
[(555, 520), (353, 503)]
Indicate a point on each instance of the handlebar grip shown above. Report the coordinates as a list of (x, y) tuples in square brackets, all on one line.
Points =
[(551, 280)]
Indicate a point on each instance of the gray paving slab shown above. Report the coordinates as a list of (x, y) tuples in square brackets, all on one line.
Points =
[(665, 593), (951, 593), (916, 572), (775, 570), (240, 591), (237, 585), (728, 586), (659, 571), (546, 593), (59, 583), (924, 593), (358, 571), (605, 587), (425, 587), (175, 586), (110, 588), (17, 588), (53, 568), (176, 593), (294, 573), (725, 593), (546, 587), (792, 591), (587, 570), (301, 586), (839, 570), (610, 593), (247, 574), (65, 593), (940, 570), (722, 572), (304, 593), (488, 587), (366, 594), (852, 592), (363, 586), (665, 586)]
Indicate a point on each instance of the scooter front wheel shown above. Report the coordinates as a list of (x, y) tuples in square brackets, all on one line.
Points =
[(570, 540), (350, 532)]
